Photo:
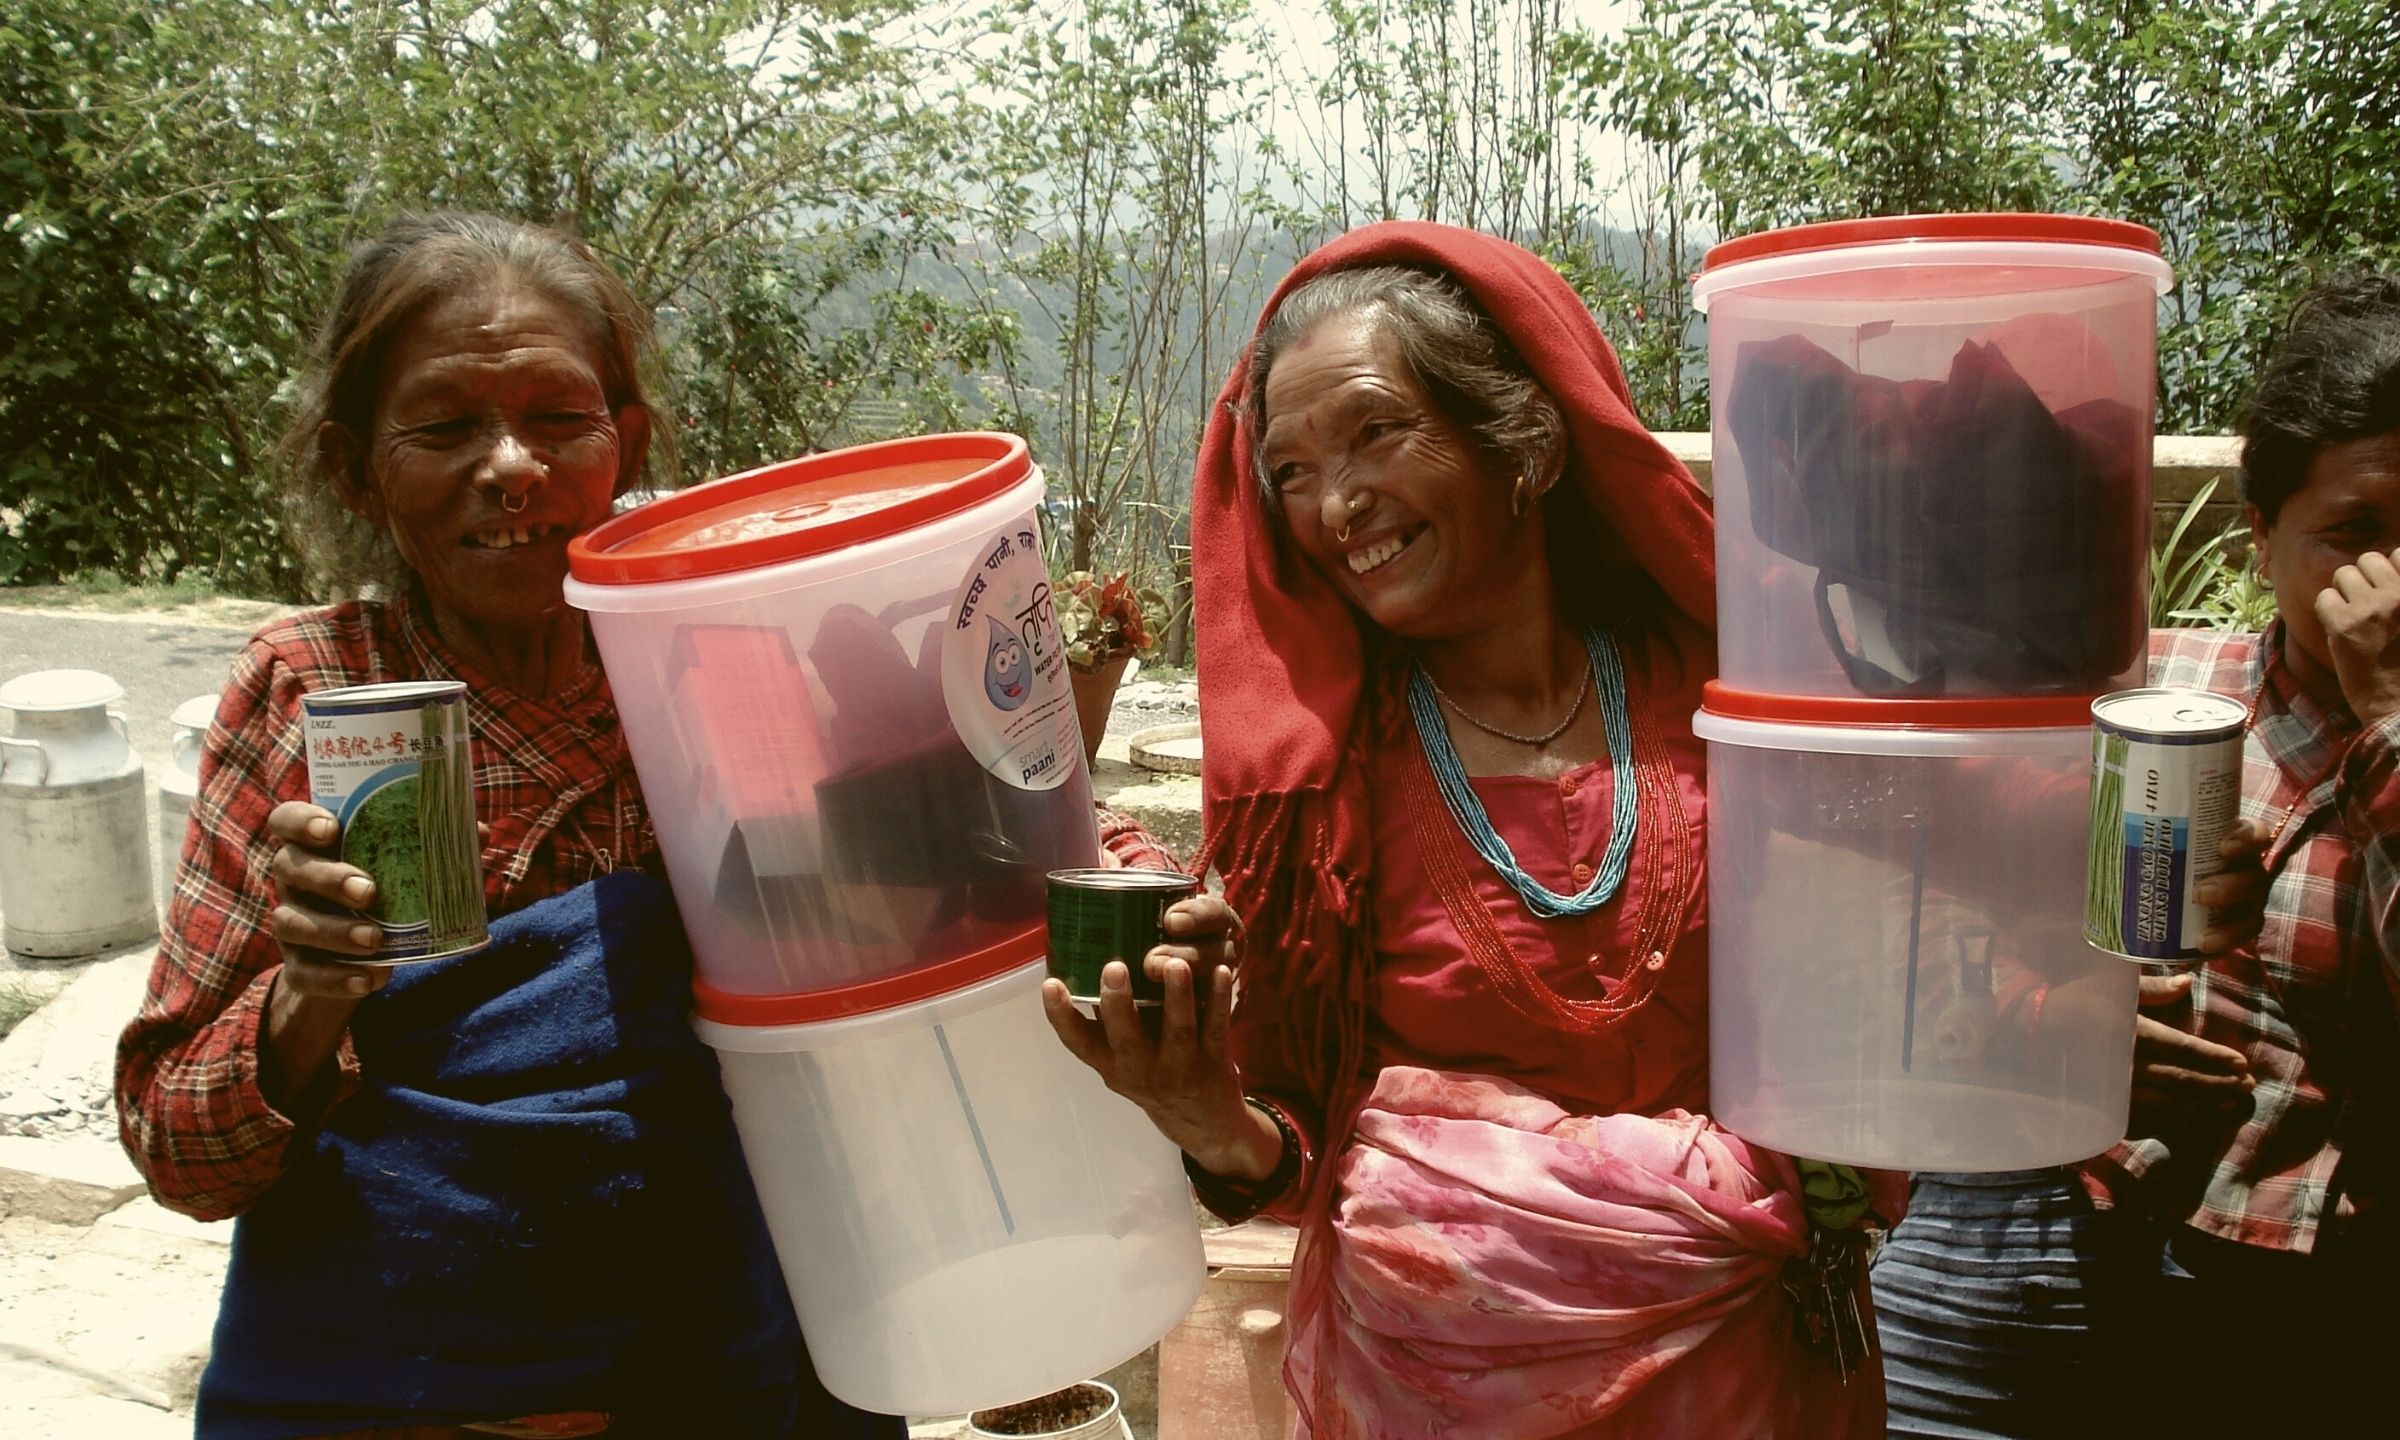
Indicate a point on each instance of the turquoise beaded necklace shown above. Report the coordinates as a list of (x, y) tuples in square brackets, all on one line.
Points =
[(1608, 677)]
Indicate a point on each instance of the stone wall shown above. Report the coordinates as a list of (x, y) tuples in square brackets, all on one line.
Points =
[(2179, 466)]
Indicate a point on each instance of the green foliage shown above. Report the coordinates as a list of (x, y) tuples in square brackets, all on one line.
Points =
[(18, 1001), (1116, 221), (856, 218), (130, 434), (2178, 577), (1744, 115), (2237, 597), (2259, 137), (187, 178), (2205, 584)]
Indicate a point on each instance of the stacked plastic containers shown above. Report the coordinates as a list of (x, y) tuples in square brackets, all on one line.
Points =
[(1931, 449), (844, 689)]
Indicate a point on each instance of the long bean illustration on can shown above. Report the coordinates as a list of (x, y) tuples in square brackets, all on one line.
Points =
[(394, 765), (2166, 786)]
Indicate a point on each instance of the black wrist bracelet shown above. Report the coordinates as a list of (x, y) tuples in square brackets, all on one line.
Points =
[(1253, 1195)]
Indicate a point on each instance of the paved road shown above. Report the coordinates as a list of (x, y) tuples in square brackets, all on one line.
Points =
[(161, 664)]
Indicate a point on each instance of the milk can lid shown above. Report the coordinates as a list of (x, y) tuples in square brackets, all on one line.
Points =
[(55, 690), (810, 506), (195, 713)]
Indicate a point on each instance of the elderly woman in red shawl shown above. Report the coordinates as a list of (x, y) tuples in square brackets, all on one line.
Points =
[(1455, 611)]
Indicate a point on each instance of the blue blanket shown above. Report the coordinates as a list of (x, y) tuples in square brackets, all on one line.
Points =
[(535, 1202)]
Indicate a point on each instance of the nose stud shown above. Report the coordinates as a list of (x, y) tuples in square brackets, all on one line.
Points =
[(1350, 509)]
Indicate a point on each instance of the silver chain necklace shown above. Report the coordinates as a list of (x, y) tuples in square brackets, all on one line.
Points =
[(1582, 693)]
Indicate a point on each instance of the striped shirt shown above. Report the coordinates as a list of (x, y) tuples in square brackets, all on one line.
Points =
[(2311, 1004)]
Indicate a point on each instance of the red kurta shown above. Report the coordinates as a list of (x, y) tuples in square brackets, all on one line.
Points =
[(1433, 1005)]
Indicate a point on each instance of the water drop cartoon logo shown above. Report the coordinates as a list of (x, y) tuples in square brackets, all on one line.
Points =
[(1005, 669)]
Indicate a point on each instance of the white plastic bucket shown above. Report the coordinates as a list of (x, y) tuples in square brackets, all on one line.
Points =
[(965, 1215)]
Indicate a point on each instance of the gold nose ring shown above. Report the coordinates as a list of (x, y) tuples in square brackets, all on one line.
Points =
[(513, 504), (1350, 509)]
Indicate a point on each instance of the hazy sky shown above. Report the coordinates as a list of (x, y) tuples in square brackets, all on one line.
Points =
[(1301, 50)]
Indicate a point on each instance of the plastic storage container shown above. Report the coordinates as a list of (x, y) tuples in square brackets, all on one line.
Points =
[(1932, 454), (844, 688), (1897, 972), (965, 1215)]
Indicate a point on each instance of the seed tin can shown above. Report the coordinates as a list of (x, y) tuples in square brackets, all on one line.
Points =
[(1101, 915), (2166, 786), (393, 764)]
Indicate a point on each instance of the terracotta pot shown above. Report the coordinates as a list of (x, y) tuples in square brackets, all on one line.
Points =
[(1108, 1423), (1095, 690)]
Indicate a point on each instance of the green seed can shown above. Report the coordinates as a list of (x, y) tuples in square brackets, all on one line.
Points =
[(1101, 915), (393, 764)]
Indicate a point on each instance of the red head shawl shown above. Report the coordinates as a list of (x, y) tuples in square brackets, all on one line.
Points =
[(1285, 803)]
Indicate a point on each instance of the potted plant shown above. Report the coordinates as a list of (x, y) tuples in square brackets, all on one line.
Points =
[(1107, 625)]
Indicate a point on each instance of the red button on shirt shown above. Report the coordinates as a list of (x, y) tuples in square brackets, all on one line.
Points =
[(1583, 873), (1567, 785)]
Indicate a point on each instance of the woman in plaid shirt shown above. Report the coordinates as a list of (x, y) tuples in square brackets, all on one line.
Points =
[(2250, 1212), (499, 1194)]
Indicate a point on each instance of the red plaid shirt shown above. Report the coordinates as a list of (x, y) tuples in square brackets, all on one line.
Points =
[(2311, 1005), (552, 779)]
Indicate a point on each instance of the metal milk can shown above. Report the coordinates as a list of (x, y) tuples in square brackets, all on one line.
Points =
[(74, 832), (177, 784)]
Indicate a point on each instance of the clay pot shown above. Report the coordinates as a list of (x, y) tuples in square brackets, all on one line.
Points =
[(1089, 1411), (1095, 690)]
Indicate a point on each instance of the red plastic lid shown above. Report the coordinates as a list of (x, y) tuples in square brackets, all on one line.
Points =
[(1892, 229), (885, 993), (1975, 712), (810, 506)]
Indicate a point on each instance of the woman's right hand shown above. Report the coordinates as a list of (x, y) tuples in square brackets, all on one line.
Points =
[(315, 892), (1183, 1077), (320, 983)]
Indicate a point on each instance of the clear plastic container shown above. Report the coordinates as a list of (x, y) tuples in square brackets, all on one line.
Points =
[(1897, 971), (1931, 451), (965, 1215), (845, 691)]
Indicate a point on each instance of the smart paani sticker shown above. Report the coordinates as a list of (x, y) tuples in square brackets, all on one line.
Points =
[(1004, 667)]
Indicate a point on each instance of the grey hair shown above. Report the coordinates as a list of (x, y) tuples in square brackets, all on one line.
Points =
[(1451, 346), (388, 282)]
